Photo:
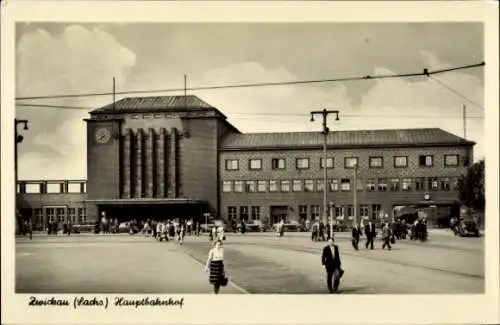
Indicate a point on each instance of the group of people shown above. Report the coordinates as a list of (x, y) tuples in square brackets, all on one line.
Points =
[(170, 230), (320, 231)]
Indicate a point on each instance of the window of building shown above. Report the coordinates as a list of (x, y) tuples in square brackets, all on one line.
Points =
[(394, 184), (244, 213), (315, 212), (232, 213), (364, 211), (39, 216), (232, 164), (297, 185), (339, 211), (406, 184), (261, 186), (285, 186), (451, 160), (60, 214), (345, 184), (250, 186), (72, 215), (455, 185), (83, 215), (320, 185), (273, 186), (333, 185), (33, 188), (370, 185), (74, 188), (227, 186), (255, 164), (303, 212), (445, 183), (359, 184), (255, 213), (350, 162), (419, 184), (376, 162), (302, 163), (433, 183), (350, 212), (278, 163), (238, 186), (382, 185), (400, 161), (329, 163), (309, 185), (425, 161), (376, 208), (51, 214)]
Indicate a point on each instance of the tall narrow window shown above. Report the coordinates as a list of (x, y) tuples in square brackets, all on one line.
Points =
[(406, 184)]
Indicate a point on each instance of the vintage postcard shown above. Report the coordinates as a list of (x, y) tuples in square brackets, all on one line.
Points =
[(249, 162)]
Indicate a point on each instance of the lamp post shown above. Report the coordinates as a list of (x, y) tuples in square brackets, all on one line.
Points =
[(18, 138), (324, 113), (355, 195)]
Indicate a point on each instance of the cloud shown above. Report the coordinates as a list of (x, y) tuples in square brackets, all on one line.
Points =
[(75, 61)]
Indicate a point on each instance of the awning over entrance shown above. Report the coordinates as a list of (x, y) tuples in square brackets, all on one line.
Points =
[(145, 201)]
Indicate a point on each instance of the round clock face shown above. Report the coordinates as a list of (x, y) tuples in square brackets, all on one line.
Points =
[(102, 135)]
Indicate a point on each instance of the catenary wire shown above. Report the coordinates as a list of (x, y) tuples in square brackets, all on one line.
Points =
[(456, 92), (425, 72)]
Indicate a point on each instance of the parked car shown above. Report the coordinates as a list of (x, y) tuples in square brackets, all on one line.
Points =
[(126, 227), (253, 226), (468, 227), (83, 227)]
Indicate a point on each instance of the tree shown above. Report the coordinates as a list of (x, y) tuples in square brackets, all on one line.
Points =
[(471, 186)]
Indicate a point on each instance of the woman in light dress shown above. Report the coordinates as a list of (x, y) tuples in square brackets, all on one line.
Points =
[(215, 264)]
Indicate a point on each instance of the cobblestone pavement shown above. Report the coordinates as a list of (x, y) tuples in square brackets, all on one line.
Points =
[(256, 263)]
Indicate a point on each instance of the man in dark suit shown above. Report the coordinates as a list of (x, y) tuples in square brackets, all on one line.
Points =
[(370, 234), (331, 262), (356, 234)]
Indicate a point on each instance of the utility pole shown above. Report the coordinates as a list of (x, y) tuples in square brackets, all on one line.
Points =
[(18, 138), (324, 113), (464, 116), (114, 94), (355, 196)]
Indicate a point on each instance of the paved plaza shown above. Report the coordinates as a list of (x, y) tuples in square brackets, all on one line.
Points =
[(257, 263)]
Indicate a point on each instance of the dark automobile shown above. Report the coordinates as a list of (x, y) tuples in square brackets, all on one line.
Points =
[(83, 227), (253, 226), (467, 227)]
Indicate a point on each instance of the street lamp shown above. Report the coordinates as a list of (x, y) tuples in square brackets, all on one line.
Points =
[(324, 113), (18, 138)]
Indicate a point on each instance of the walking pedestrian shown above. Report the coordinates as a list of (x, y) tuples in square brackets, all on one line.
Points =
[(370, 234), (331, 262), (356, 234), (215, 264), (386, 236)]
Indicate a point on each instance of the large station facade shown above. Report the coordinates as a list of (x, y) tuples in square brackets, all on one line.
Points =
[(179, 157)]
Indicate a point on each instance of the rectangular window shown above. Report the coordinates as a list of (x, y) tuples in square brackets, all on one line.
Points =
[(297, 185), (425, 161), (382, 185), (278, 163), (451, 160), (244, 213), (376, 208), (232, 213), (303, 212), (350, 212), (329, 163), (359, 184), (345, 184), (406, 184), (445, 183), (320, 185), (302, 163), (250, 186), (376, 162), (364, 211), (400, 161), (339, 211), (261, 186), (33, 188), (333, 185), (350, 162), (315, 212), (238, 186), (433, 183), (60, 214), (394, 184), (72, 215), (38, 216), (74, 188), (255, 213), (51, 214), (232, 164), (227, 186), (309, 185), (370, 185), (273, 186), (419, 184), (285, 186), (255, 164)]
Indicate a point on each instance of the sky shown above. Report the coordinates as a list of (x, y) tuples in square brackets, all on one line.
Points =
[(57, 58)]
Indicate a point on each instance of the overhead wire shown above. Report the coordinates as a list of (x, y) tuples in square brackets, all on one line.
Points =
[(456, 92)]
